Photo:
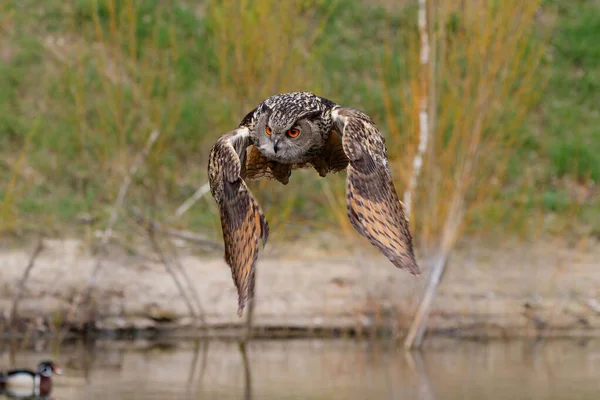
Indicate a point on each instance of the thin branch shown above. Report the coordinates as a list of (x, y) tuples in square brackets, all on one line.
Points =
[(423, 106), (414, 338), (193, 237), (126, 182), (189, 284), (178, 233), (117, 205), (171, 272), (198, 194), (155, 226), (21, 286)]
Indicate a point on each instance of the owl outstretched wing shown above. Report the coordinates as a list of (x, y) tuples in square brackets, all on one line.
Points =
[(372, 202), (242, 220)]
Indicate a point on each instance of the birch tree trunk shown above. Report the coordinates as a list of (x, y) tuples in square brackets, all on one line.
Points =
[(423, 106)]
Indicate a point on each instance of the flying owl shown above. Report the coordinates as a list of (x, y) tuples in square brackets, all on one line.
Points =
[(299, 130)]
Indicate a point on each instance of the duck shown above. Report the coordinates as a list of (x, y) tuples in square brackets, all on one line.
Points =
[(24, 382)]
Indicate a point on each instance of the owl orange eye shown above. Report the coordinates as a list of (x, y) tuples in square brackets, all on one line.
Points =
[(268, 130), (293, 132)]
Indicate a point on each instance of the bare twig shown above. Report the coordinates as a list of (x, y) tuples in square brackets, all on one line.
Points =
[(154, 226), (416, 332), (178, 233), (423, 106), (193, 237), (118, 203), (21, 286), (167, 263), (189, 284), (414, 338), (198, 194)]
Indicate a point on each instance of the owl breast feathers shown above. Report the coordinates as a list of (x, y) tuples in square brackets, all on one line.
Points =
[(297, 130)]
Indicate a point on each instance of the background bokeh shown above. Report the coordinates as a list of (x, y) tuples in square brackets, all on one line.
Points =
[(84, 82), (512, 91)]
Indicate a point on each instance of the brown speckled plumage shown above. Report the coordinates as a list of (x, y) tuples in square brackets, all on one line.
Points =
[(242, 220), (373, 205), (332, 138)]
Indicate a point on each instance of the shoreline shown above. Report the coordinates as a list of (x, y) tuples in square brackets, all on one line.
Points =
[(547, 288)]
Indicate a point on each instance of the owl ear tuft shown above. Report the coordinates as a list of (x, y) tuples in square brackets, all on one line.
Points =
[(265, 109)]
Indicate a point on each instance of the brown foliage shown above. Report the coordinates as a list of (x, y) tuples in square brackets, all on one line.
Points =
[(484, 80)]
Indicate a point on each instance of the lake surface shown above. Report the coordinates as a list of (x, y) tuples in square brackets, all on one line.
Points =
[(321, 369)]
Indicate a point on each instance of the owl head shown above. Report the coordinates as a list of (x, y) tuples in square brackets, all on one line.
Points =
[(290, 131)]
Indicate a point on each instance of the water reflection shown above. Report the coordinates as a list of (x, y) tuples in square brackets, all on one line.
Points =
[(247, 375), (320, 369)]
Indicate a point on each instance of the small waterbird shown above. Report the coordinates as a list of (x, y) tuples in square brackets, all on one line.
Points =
[(27, 383)]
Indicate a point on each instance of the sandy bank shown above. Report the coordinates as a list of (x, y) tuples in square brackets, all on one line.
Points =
[(513, 290)]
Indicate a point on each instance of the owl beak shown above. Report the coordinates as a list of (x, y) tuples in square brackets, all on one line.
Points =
[(275, 145)]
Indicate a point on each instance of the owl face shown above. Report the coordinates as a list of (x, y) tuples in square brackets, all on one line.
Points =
[(289, 138)]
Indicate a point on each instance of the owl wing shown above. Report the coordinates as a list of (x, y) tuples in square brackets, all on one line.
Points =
[(242, 220), (372, 202)]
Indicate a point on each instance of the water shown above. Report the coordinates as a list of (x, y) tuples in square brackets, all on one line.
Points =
[(323, 369)]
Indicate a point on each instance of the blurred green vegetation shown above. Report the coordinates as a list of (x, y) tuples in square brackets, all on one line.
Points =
[(84, 82)]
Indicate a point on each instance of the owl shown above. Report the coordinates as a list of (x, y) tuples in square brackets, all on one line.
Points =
[(302, 130)]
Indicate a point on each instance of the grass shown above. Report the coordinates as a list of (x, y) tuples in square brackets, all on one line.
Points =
[(83, 82), (565, 137)]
